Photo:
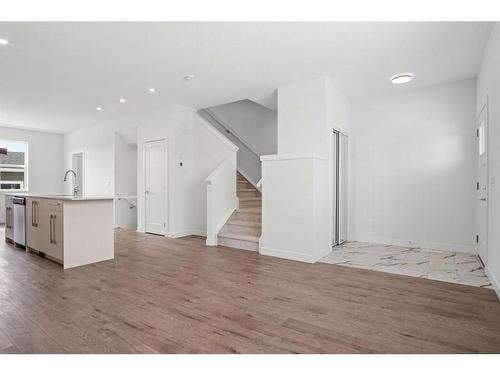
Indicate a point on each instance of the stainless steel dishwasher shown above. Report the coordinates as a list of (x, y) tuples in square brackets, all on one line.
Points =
[(19, 223)]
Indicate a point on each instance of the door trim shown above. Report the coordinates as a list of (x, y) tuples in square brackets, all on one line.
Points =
[(166, 208), (336, 164), (483, 112)]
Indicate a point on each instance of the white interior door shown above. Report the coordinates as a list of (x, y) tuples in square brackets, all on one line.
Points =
[(482, 186), (155, 187)]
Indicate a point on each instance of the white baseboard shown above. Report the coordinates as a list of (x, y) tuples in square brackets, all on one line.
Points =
[(211, 242), (292, 255), (413, 243), (494, 281), (187, 232)]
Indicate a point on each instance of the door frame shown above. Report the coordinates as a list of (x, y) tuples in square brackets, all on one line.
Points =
[(82, 192), (335, 204), (166, 207), (483, 113)]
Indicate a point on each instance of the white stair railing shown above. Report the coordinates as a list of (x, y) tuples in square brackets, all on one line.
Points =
[(248, 161), (221, 197)]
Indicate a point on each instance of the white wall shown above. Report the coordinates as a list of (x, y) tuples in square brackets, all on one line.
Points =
[(248, 160), (190, 141), (338, 109), (45, 161), (174, 124), (488, 89), (297, 182), (302, 117), (413, 167), (45, 158), (97, 145), (253, 123)]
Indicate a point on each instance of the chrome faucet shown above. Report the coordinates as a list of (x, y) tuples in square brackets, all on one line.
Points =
[(76, 191)]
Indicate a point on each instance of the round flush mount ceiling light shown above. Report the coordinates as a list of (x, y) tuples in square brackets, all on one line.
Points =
[(189, 77), (3, 42), (99, 109), (400, 78), (152, 89), (122, 100)]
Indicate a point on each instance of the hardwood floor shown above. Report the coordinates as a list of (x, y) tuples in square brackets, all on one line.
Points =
[(165, 295)]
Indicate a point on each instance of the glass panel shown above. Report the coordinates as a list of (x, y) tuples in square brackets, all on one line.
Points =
[(11, 186), (11, 176), (12, 165)]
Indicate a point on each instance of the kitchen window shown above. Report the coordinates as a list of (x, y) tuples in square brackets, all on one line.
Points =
[(13, 166)]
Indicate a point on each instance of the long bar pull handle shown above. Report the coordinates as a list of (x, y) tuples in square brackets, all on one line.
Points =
[(32, 213), (54, 229), (50, 228), (36, 213)]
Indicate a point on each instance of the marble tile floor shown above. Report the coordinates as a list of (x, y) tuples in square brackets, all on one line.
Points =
[(449, 266)]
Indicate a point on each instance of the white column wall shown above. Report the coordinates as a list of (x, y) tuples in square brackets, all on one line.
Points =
[(297, 182)]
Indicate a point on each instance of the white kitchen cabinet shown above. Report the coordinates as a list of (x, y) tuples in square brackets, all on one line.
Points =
[(55, 247), (70, 231), (9, 218)]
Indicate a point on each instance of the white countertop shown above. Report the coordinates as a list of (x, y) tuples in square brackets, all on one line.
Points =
[(65, 197)]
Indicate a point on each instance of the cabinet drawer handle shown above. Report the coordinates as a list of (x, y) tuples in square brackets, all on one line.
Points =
[(50, 229), (7, 218), (34, 213), (54, 229)]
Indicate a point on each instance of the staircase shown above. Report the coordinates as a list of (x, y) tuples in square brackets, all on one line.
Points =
[(243, 229)]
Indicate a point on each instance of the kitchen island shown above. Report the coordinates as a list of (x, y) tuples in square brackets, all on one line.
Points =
[(73, 231)]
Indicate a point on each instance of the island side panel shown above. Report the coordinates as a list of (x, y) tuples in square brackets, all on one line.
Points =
[(88, 232)]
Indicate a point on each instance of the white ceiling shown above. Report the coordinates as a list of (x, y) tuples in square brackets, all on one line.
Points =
[(54, 75)]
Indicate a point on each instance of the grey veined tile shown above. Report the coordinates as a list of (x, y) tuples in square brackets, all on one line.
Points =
[(449, 266)]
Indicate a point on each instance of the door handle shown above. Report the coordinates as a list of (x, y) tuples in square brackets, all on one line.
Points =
[(483, 199), (147, 191)]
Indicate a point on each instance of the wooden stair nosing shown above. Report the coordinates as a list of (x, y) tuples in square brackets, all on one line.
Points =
[(250, 199), (243, 223), (250, 210), (240, 237)]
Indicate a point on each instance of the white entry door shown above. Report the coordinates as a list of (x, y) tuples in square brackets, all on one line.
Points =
[(482, 186), (155, 187)]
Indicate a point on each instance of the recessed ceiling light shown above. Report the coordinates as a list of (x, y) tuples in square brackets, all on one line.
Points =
[(4, 41), (98, 109), (189, 77), (400, 78), (122, 100), (152, 89)]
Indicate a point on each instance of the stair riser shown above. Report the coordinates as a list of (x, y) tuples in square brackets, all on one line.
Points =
[(238, 244), (248, 216), (248, 204), (243, 185), (240, 229), (247, 194)]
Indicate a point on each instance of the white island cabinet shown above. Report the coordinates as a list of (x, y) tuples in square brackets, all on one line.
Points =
[(70, 231)]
